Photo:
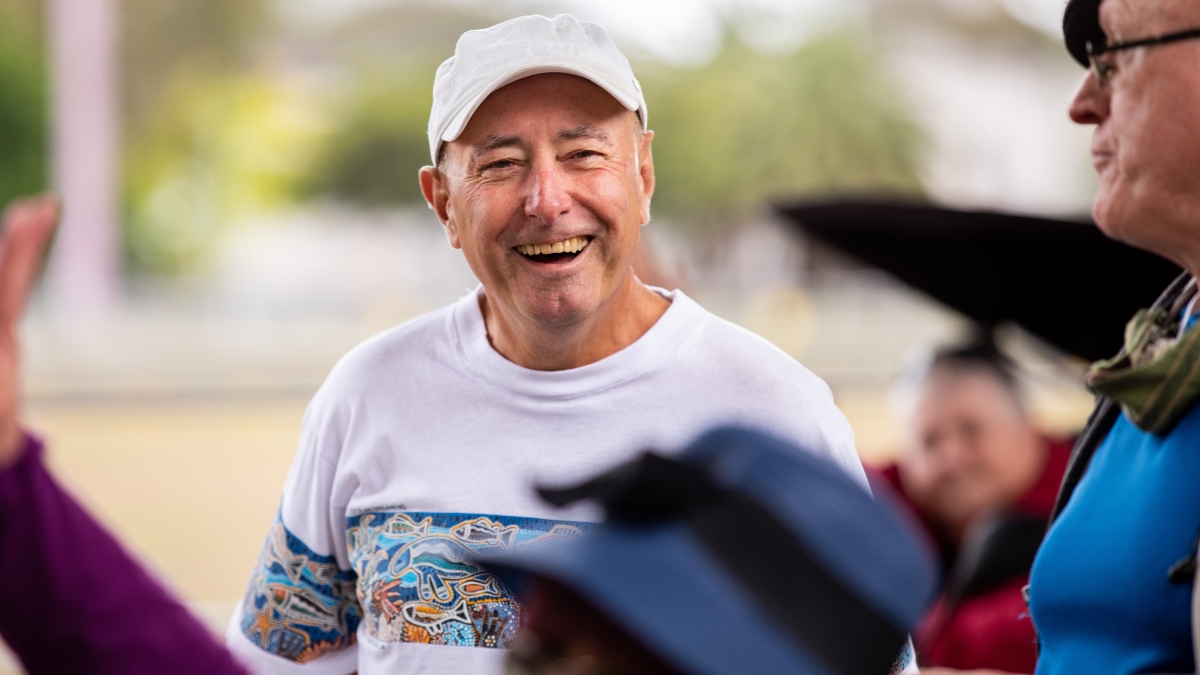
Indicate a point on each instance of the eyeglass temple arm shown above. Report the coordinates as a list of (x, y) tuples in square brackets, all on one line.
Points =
[(1093, 50)]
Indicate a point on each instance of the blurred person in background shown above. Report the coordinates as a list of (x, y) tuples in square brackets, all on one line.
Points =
[(743, 556), (421, 447), (1113, 586), (982, 480), (72, 600)]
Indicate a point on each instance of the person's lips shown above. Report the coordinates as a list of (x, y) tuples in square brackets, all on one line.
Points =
[(1103, 149), (571, 245), (552, 252)]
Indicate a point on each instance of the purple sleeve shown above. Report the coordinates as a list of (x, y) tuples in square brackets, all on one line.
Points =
[(73, 601)]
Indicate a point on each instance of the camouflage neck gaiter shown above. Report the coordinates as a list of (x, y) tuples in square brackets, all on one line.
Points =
[(1156, 376)]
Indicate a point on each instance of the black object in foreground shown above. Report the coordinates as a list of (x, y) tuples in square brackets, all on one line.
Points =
[(742, 555), (1061, 280)]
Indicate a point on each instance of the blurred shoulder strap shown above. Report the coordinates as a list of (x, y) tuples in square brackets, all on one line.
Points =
[(1103, 417)]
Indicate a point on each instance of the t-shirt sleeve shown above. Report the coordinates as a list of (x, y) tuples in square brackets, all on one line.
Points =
[(821, 427), (300, 611), (74, 601), (906, 661)]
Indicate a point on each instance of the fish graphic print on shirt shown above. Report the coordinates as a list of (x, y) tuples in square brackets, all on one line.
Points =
[(299, 605), (416, 582)]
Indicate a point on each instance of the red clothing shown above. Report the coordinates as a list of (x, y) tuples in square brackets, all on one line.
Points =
[(990, 629)]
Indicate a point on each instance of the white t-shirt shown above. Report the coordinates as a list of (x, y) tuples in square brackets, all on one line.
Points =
[(425, 444)]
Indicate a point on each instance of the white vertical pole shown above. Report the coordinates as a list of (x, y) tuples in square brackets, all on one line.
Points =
[(84, 267)]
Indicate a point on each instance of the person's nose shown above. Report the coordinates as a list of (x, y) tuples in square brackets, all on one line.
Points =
[(548, 197), (1090, 104), (953, 456)]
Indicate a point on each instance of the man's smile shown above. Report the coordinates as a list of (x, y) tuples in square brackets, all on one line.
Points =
[(566, 249)]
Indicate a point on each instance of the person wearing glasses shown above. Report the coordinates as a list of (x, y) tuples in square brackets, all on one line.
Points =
[(1111, 589)]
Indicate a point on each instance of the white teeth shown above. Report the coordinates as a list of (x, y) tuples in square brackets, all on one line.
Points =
[(572, 245)]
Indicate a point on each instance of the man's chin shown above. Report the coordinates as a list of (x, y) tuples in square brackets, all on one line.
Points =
[(556, 312), (1111, 212), (1123, 214)]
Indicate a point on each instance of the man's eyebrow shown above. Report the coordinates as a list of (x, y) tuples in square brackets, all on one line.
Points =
[(494, 141), (582, 131)]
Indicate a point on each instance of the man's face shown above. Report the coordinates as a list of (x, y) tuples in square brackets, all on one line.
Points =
[(973, 449), (545, 192), (1146, 146)]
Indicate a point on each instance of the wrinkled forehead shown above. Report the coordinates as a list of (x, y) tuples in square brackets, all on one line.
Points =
[(557, 105), (1126, 20)]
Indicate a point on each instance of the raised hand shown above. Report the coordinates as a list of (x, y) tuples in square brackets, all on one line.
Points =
[(27, 225)]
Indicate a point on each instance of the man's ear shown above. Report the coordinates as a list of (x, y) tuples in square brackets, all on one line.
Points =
[(437, 196), (646, 172)]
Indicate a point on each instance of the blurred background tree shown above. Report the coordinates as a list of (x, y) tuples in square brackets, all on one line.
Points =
[(380, 143), (731, 135), (750, 128), (23, 141), (188, 74), (234, 107), (164, 41)]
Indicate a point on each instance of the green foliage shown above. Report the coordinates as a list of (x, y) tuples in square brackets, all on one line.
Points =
[(750, 128), (381, 144), (23, 165), (164, 41), (743, 130), (221, 147), (182, 100)]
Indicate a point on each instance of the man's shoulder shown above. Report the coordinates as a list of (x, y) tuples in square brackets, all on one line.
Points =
[(743, 378), (420, 340), (723, 345)]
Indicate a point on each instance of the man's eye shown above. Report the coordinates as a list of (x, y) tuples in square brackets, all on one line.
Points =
[(584, 154), (499, 164)]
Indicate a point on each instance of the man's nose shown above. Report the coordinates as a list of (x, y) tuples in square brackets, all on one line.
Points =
[(1090, 104), (548, 198)]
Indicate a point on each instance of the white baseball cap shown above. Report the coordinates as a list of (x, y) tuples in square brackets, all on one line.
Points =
[(485, 60)]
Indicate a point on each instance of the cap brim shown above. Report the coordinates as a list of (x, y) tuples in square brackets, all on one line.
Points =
[(660, 585), (1081, 25), (458, 122)]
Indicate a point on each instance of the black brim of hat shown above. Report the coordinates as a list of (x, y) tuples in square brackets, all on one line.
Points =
[(660, 584), (1081, 25)]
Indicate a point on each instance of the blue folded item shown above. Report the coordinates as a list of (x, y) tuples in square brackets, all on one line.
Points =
[(745, 555)]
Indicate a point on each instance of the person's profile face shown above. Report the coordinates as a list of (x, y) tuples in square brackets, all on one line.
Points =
[(1146, 143), (547, 189), (973, 450)]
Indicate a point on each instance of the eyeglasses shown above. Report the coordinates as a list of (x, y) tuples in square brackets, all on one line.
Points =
[(1104, 69)]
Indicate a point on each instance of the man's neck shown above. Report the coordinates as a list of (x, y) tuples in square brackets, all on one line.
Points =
[(620, 321)]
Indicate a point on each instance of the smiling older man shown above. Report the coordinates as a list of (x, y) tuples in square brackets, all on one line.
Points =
[(423, 446), (1112, 587)]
